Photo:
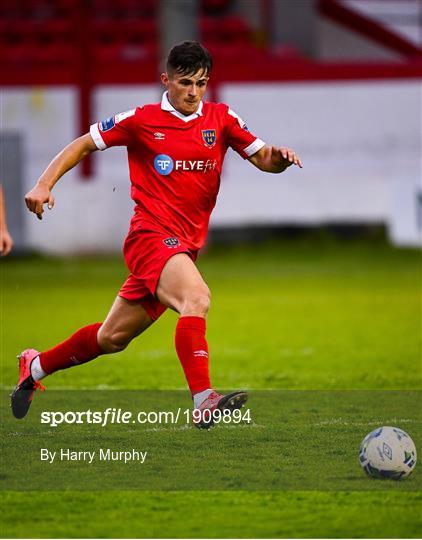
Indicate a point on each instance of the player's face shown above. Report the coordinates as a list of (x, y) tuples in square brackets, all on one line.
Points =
[(185, 91)]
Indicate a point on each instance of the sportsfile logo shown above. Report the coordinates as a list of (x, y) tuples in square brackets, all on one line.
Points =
[(164, 165)]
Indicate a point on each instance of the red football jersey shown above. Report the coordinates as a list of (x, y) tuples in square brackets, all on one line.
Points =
[(175, 162)]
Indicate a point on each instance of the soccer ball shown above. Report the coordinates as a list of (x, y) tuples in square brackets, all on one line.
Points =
[(387, 452)]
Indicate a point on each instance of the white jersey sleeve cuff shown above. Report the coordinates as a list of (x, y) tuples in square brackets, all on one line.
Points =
[(96, 137), (253, 148)]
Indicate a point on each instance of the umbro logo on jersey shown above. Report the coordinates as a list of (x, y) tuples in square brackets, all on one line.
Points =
[(159, 136), (171, 242), (209, 136)]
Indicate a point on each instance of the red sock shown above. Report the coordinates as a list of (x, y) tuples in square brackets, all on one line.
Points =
[(81, 347), (192, 350)]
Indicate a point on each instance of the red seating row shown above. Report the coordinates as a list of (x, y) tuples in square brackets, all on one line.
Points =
[(215, 7), (64, 55), (24, 55), (62, 30), (138, 31), (45, 9), (236, 52), (103, 9), (36, 9), (228, 29), (27, 31), (41, 9), (57, 38)]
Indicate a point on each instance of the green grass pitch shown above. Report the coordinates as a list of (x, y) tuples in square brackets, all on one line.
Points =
[(327, 331)]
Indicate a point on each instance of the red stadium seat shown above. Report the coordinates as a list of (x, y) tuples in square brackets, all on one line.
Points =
[(135, 8), (215, 7), (208, 27), (235, 30), (105, 32), (124, 9), (26, 41), (225, 30), (125, 41), (140, 30)]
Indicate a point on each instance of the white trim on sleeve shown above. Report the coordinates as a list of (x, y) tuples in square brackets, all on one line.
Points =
[(254, 147), (96, 137), (242, 124)]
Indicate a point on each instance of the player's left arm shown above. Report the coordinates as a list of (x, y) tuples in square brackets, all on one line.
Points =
[(266, 158), (275, 160)]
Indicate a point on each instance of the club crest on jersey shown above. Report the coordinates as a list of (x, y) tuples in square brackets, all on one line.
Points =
[(171, 242), (209, 136)]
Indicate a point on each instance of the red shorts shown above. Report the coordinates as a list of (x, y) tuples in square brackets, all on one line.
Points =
[(146, 253)]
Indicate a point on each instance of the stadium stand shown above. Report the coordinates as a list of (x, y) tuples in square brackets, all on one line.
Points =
[(86, 43), (40, 35)]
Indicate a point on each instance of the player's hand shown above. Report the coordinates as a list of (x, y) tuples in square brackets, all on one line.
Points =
[(284, 157), (37, 197), (6, 242)]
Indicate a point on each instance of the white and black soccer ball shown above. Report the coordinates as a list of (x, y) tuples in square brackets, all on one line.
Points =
[(387, 452)]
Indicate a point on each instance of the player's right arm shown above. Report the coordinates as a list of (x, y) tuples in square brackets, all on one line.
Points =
[(65, 160)]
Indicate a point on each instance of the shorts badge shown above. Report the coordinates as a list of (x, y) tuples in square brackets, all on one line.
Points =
[(171, 242), (209, 136)]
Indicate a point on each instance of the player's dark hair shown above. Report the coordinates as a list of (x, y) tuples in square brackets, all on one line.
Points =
[(189, 57)]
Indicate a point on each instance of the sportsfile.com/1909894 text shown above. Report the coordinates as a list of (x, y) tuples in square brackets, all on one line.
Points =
[(113, 415)]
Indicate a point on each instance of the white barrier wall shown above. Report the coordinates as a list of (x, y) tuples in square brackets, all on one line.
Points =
[(46, 121), (359, 142), (89, 216)]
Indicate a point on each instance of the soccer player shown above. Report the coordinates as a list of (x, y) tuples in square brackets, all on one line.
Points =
[(175, 150), (6, 242)]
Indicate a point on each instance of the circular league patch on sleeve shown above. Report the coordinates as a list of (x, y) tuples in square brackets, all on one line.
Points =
[(108, 124)]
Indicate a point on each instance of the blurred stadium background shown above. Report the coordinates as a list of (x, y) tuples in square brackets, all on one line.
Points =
[(337, 80)]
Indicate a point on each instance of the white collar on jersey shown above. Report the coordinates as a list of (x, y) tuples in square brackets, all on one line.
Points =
[(167, 106)]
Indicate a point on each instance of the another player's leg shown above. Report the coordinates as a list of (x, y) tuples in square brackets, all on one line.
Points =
[(182, 288), (125, 321)]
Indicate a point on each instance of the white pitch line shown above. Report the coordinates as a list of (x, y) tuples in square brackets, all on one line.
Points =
[(380, 422), (191, 426), (104, 387)]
